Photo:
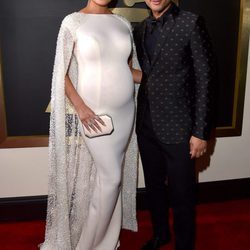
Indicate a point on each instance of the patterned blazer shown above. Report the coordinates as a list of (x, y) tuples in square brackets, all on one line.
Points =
[(178, 83)]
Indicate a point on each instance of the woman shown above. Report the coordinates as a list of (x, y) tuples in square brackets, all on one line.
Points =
[(91, 67)]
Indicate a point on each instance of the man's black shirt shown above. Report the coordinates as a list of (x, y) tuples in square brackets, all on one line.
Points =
[(153, 30)]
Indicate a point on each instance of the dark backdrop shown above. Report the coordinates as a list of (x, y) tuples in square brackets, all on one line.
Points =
[(28, 31), (222, 19), (28, 38)]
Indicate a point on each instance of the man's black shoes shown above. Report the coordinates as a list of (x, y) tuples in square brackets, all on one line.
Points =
[(155, 243)]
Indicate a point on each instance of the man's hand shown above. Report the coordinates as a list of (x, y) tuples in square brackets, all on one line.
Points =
[(198, 147)]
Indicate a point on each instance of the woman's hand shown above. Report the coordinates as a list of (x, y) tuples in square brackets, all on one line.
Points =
[(136, 73), (88, 118)]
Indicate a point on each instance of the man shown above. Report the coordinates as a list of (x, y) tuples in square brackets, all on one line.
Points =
[(174, 115)]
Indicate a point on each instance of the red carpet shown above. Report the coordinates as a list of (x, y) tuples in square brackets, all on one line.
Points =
[(220, 226)]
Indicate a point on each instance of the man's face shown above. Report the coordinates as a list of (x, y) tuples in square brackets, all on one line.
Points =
[(157, 5)]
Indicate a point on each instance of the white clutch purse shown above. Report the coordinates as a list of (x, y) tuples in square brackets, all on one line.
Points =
[(106, 130)]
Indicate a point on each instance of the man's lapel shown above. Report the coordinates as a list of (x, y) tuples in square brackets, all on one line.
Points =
[(162, 39), (147, 61)]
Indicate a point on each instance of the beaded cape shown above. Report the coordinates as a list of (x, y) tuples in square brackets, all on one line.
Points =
[(71, 168)]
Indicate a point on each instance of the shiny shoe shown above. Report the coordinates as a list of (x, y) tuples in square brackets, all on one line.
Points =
[(155, 243)]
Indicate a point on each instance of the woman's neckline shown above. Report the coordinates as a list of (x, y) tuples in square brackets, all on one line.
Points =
[(101, 14)]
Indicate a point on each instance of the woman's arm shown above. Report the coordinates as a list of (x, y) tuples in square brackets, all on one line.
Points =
[(86, 115), (137, 74)]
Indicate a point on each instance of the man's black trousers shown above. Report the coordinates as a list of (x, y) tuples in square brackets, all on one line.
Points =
[(171, 165)]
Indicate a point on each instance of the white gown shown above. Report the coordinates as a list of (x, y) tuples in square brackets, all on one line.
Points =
[(88, 177), (102, 49)]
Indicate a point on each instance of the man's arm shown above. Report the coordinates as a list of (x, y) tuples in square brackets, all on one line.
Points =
[(203, 63)]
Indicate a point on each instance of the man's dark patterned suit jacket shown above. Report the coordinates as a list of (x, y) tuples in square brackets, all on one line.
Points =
[(178, 83)]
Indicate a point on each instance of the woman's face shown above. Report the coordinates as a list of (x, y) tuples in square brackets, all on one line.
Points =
[(101, 3)]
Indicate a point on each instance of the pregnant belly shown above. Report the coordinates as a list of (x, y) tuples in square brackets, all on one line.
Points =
[(111, 88)]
